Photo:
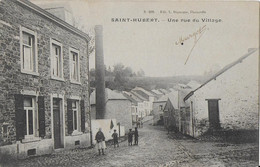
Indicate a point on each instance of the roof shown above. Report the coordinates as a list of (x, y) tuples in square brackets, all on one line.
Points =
[(55, 19), (109, 95), (140, 94), (164, 91), (147, 92), (157, 92), (172, 96), (227, 67), (182, 94), (130, 98)]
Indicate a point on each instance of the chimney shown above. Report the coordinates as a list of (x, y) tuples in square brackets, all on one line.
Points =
[(100, 73)]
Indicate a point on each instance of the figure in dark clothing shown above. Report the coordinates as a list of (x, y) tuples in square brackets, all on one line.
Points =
[(138, 124), (100, 138), (115, 139), (130, 137), (136, 136)]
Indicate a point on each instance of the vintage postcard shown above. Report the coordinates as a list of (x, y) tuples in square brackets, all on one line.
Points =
[(129, 83)]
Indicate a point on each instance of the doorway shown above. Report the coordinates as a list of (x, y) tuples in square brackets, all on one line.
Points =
[(213, 109), (57, 123)]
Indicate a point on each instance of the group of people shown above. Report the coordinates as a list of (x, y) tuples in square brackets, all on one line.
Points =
[(132, 134), (100, 138)]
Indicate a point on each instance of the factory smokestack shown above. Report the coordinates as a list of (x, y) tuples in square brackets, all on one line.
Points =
[(100, 73)]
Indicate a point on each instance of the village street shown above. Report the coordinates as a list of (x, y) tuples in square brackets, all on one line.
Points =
[(156, 148)]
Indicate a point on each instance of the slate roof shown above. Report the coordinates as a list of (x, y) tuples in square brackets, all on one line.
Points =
[(157, 92), (140, 94), (130, 98), (109, 95)]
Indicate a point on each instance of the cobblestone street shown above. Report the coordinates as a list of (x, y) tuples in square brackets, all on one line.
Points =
[(156, 148)]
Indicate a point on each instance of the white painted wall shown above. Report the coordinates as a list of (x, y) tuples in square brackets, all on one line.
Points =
[(238, 90)]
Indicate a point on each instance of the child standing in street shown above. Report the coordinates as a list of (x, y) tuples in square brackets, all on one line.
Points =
[(130, 137), (115, 139)]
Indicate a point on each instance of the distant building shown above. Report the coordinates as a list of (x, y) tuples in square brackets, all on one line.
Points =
[(158, 93), (159, 106), (117, 107), (164, 91), (148, 97), (44, 81), (227, 100), (181, 86), (171, 116), (140, 103), (134, 109)]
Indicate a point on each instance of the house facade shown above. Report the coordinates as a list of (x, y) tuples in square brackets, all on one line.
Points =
[(149, 98), (117, 107), (228, 100), (171, 116), (157, 113), (44, 70)]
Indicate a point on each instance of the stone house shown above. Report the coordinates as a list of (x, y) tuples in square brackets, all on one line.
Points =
[(117, 107), (171, 116), (44, 90), (226, 101), (159, 105)]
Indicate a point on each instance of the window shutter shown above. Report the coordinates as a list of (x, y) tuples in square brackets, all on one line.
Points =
[(69, 116), (20, 117), (82, 109), (41, 116)]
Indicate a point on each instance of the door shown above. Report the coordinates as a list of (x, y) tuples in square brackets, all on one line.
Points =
[(57, 123), (213, 113)]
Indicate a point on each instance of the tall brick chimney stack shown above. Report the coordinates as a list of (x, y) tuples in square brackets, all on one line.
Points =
[(100, 73)]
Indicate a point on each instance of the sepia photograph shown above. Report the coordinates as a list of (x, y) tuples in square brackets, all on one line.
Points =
[(129, 83)]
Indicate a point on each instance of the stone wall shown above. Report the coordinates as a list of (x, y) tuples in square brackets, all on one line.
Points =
[(13, 15)]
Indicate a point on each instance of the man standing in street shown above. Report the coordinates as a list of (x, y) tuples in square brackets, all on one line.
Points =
[(100, 138), (130, 137), (136, 136), (115, 139)]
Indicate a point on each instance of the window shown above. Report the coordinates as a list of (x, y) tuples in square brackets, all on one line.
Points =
[(75, 115), (75, 111), (29, 115), (161, 107), (56, 60), (28, 44), (74, 66)]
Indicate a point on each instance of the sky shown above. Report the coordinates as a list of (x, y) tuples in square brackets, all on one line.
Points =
[(154, 47)]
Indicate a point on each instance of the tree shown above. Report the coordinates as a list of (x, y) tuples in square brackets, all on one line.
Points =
[(140, 73)]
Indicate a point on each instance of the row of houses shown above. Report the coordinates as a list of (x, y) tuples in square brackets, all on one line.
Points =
[(226, 101), (128, 108), (44, 90)]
